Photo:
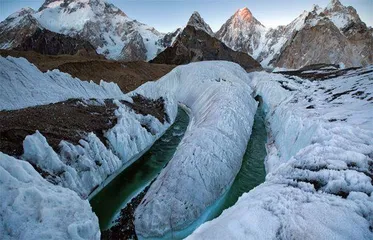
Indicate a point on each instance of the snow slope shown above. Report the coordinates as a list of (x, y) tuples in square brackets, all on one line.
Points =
[(32, 208), (210, 153), (319, 163), (23, 85)]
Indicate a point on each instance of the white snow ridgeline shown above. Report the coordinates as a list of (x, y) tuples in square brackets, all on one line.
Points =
[(319, 163), (79, 167), (23, 85), (210, 154)]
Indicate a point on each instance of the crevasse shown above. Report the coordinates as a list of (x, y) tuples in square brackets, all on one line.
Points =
[(210, 154)]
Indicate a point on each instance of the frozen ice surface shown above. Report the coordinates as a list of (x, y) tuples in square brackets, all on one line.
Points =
[(319, 163), (32, 208), (210, 153)]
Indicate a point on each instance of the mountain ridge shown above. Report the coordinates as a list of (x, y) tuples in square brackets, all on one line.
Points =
[(118, 37), (267, 44)]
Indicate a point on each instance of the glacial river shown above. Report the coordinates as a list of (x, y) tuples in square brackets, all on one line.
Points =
[(113, 197)]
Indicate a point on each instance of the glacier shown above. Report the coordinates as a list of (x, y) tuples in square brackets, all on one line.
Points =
[(319, 163), (210, 154), (24, 85), (84, 166), (80, 168)]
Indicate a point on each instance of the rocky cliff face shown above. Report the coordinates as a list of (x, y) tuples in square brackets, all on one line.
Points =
[(46, 42), (194, 45), (322, 43), (17, 27), (335, 34), (106, 27)]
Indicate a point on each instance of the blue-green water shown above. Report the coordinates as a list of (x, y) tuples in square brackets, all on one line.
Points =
[(251, 174), (112, 198)]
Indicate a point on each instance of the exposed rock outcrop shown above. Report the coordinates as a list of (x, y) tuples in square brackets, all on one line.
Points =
[(46, 42), (194, 45)]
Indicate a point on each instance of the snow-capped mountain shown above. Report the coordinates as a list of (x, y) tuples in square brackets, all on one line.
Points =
[(106, 27), (196, 42), (242, 32), (16, 27), (332, 35)]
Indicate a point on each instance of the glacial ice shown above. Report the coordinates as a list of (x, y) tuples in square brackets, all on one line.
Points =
[(31, 208), (82, 167), (210, 153), (23, 85), (319, 163)]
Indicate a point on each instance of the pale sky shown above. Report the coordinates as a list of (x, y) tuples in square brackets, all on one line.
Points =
[(167, 15)]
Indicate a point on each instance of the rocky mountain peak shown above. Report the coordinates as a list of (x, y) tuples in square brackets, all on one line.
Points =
[(244, 16), (98, 7), (20, 13), (316, 8), (335, 5), (197, 22), (244, 13)]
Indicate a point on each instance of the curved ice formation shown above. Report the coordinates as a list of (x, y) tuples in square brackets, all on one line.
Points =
[(28, 201), (210, 154), (319, 164)]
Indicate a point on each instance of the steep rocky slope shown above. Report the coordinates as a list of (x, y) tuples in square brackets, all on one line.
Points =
[(46, 42), (17, 27), (196, 43), (106, 27), (348, 39), (199, 23)]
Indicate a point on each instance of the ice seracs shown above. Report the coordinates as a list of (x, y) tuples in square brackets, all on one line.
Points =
[(33, 208)]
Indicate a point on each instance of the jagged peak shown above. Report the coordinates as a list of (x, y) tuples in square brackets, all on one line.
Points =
[(194, 18), (65, 3), (316, 8), (244, 13), (96, 6), (334, 5), (22, 12), (198, 22)]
